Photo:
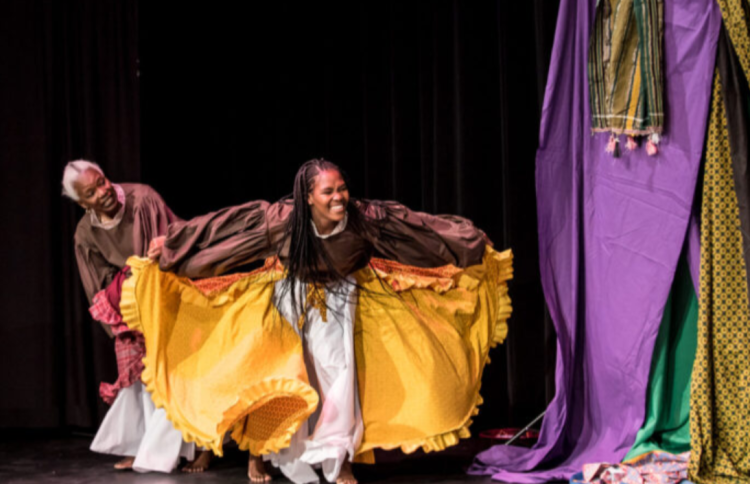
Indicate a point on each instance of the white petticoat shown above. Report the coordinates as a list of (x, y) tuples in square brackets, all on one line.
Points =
[(333, 433), (135, 427)]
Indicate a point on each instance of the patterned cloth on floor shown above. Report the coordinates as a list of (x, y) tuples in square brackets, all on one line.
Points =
[(651, 468)]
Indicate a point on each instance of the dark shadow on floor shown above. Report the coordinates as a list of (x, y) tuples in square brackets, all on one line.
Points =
[(65, 459)]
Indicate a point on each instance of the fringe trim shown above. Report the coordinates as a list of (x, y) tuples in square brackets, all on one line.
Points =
[(629, 132)]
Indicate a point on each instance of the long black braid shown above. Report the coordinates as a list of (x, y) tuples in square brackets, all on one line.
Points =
[(308, 261)]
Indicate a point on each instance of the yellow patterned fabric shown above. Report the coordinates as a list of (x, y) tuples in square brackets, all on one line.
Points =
[(737, 23), (421, 347), (720, 392), (219, 361), (421, 336)]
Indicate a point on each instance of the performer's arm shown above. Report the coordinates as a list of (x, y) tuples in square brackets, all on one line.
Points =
[(424, 240), (152, 214), (217, 242)]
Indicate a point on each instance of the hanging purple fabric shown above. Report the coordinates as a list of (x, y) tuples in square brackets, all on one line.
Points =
[(610, 234)]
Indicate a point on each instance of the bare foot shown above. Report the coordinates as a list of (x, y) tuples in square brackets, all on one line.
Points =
[(200, 463), (256, 469), (125, 464), (346, 476)]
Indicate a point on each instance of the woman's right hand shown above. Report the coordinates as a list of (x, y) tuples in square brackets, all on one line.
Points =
[(155, 247)]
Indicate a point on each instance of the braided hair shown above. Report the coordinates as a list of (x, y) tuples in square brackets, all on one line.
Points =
[(308, 261)]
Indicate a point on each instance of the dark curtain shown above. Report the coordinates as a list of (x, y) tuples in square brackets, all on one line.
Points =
[(435, 104), (68, 89)]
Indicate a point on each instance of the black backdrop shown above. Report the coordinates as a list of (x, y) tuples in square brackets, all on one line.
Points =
[(435, 104)]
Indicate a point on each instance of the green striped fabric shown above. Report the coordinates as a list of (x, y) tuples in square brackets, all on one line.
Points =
[(625, 67)]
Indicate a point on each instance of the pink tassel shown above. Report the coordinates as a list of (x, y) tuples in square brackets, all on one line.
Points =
[(631, 144), (652, 147), (613, 146)]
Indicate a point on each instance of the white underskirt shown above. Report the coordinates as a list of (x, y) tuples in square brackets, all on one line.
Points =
[(333, 433), (135, 427)]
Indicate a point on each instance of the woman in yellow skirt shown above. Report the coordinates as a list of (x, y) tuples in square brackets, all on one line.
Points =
[(368, 327)]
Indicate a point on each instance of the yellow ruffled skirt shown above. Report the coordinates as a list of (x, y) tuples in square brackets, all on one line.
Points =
[(220, 357)]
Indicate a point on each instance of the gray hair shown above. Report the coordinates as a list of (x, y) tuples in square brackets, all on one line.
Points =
[(73, 170)]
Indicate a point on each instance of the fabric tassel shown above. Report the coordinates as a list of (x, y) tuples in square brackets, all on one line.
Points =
[(652, 146), (613, 146), (631, 144)]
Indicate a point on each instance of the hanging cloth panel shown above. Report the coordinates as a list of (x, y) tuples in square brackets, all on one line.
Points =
[(736, 98), (720, 414), (625, 67), (610, 235), (737, 23), (667, 424)]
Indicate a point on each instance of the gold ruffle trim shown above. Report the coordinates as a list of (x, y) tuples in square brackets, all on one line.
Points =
[(259, 400)]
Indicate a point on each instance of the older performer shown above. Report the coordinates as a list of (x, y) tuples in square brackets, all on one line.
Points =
[(119, 222)]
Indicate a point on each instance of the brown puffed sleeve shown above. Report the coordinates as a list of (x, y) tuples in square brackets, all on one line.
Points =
[(212, 244), (96, 273), (152, 216), (421, 239)]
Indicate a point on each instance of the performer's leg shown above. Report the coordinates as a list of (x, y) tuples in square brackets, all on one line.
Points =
[(161, 446), (201, 462), (334, 431), (123, 427), (287, 460), (256, 469), (336, 427), (346, 476)]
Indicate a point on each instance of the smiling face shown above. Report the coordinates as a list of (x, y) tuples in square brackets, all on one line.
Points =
[(328, 199), (95, 192)]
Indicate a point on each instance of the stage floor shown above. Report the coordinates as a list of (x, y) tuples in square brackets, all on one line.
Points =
[(67, 460)]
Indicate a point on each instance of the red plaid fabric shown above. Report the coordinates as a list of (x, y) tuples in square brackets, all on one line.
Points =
[(103, 312), (130, 350), (129, 345)]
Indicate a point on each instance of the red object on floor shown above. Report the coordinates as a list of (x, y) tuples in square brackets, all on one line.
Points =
[(507, 434)]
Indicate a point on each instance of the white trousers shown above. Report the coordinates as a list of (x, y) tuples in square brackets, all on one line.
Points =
[(333, 433), (135, 427)]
